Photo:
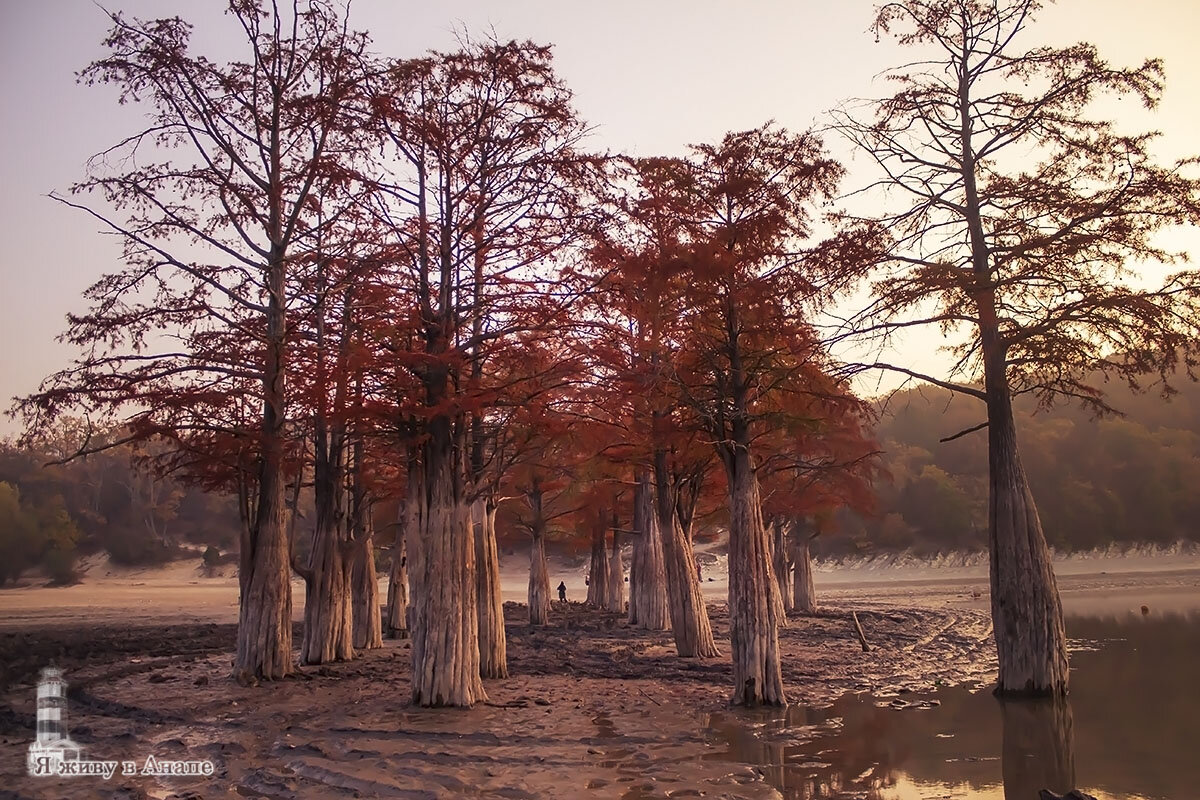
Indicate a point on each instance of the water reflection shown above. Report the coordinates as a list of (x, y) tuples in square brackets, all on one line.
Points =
[(1038, 750), (1128, 730), (863, 743)]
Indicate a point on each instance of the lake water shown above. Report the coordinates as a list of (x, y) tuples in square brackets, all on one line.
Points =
[(1130, 729)]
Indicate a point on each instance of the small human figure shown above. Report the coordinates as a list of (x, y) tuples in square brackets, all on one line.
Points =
[(562, 591)]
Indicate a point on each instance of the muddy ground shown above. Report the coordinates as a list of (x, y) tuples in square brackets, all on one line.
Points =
[(592, 708)]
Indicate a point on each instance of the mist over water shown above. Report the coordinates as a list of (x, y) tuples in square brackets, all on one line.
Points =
[(1129, 729)]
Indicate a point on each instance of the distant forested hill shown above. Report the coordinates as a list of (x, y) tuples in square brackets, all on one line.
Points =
[(50, 515), (1130, 479)]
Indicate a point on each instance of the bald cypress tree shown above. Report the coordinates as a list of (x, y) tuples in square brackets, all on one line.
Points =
[(1019, 219)]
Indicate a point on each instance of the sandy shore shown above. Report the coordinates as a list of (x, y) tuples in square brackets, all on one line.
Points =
[(181, 593), (592, 708)]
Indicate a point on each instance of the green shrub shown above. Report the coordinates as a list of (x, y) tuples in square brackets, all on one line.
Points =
[(60, 567), (20, 543)]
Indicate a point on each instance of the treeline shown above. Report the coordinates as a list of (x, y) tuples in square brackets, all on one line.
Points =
[(108, 502), (1127, 479)]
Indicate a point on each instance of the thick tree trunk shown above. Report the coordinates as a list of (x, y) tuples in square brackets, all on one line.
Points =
[(1031, 641), (364, 581), (616, 572), (539, 576), (1038, 750), (635, 565), (366, 623), (781, 563), (493, 644), (328, 606), (598, 572), (409, 525), (651, 582), (804, 599), (397, 600), (443, 618), (689, 616), (1027, 621), (754, 604), (539, 581), (328, 602), (264, 641)]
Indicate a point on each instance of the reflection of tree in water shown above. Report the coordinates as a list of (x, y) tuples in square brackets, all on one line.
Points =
[(854, 739), (1132, 673), (859, 744), (1039, 747)]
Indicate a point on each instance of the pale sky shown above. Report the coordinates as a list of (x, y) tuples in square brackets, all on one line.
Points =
[(652, 76)]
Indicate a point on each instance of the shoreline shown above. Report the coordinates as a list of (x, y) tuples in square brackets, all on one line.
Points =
[(175, 596)]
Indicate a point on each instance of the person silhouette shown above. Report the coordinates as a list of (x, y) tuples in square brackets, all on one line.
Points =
[(562, 592)]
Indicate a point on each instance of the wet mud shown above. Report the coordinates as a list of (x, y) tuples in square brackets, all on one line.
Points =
[(592, 708)]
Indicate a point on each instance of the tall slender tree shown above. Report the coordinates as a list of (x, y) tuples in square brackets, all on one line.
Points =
[(751, 287), (483, 144), (638, 255), (367, 624), (819, 459), (213, 214), (616, 569), (322, 388), (1020, 219), (598, 569)]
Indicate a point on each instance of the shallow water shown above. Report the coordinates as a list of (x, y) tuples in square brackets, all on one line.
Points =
[(1130, 728)]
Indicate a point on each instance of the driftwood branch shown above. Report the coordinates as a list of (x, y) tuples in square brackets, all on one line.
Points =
[(648, 697), (861, 636)]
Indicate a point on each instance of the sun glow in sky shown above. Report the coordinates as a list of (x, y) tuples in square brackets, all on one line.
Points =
[(651, 77)]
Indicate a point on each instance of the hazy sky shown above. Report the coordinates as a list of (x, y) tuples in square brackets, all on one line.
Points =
[(651, 75)]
